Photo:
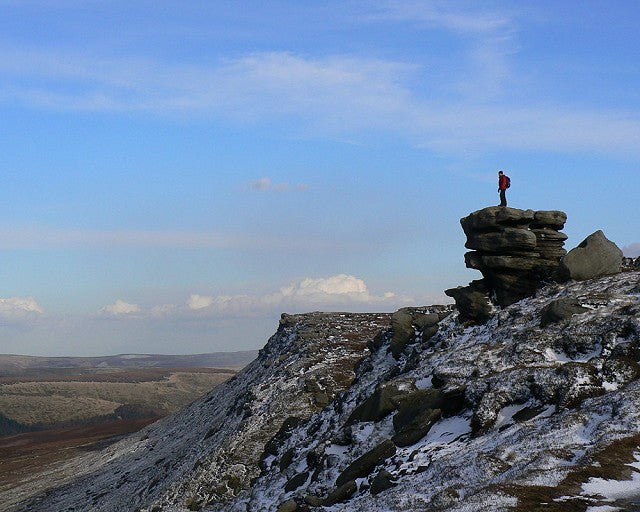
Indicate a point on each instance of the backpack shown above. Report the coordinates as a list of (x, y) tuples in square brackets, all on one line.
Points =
[(508, 181)]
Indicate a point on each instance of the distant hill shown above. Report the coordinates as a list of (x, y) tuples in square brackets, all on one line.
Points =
[(10, 364)]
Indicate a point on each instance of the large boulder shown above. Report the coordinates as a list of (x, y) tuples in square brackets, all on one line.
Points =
[(342, 493), (382, 481), (420, 409), (407, 322), (295, 482), (363, 466), (288, 506), (415, 416), (560, 309), (384, 400), (596, 256), (403, 331)]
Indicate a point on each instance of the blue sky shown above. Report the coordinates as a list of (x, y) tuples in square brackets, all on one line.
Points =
[(176, 174)]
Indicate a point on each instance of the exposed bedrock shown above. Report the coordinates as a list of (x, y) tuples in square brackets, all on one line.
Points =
[(517, 252)]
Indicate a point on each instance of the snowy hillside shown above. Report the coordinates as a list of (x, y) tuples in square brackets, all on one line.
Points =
[(509, 415), (550, 415)]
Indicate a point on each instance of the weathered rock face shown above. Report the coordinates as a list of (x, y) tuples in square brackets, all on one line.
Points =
[(214, 448), (517, 251), (596, 256)]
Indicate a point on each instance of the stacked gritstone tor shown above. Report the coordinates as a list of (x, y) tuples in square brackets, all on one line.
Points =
[(517, 252)]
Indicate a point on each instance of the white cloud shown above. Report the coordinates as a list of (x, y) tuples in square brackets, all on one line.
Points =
[(220, 302), (330, 293), (19, 307), (119, 308), (484, 66), (340, 285), (632, 251), (339, 94), (334, 94)]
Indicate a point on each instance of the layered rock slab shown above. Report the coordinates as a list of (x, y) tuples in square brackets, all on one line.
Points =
[(517, 251)]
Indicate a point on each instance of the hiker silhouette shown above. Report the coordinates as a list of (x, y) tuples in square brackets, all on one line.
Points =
[(503, 184)]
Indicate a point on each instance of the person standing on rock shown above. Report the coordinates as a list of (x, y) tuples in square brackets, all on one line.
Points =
[(503, 184)]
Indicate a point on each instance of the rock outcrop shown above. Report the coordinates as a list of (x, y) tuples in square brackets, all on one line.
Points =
[(517, 252), (472, 301), (407, 322)]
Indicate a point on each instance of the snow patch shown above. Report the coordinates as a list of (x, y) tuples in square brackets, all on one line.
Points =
[(610, 386), (448, 430), (506, 414), (424, 383), (614, 489)]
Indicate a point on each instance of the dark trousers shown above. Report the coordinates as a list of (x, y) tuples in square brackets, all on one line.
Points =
[(503, 198)]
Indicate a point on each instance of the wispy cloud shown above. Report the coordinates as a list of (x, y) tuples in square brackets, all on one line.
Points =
[(335, 94), (463, 17), (244, 87), (487, 36), (12, 237), (265, 184)]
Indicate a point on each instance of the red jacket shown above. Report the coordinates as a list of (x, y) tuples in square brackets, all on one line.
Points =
[(502, 182)]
